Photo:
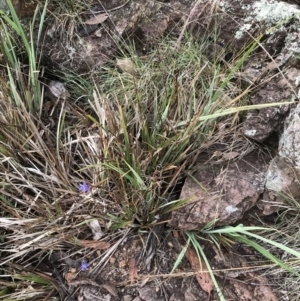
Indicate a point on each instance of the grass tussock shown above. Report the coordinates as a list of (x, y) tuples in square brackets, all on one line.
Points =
[(154, 116), (114, 155)]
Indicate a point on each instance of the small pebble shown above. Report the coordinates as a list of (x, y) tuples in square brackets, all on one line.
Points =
[(127, 298), (122, 264)]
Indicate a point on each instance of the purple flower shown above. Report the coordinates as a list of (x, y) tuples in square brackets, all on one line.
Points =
[(84, 266), (84, 187)]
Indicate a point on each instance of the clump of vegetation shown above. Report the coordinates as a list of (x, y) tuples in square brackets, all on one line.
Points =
[(116, 157)]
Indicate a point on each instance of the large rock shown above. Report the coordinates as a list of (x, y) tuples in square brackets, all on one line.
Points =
[(283, 87), (277, 22), (223, 195), (281, 184), (282, 178), (289, 143), (86, 48), (272, 68)]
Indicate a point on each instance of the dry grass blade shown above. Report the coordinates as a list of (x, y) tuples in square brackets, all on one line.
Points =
[(97, 19), (100, 245), (188, 20)]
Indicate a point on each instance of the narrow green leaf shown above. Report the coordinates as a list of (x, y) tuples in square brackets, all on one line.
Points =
[(139, 180), (201, 254), (180, 256), (126, 136), (266, 254), (33, 278)]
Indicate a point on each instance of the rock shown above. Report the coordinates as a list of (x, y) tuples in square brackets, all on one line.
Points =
[(224, 195), (252, 17), (144, 22), (148, 293), (282, 178), (277, 22), (281, 182), (126, 298), (289, 143), (280, 42), (56, 90), (260, 124)]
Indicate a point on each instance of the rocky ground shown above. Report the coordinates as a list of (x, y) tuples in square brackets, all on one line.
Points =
[(248, 185)]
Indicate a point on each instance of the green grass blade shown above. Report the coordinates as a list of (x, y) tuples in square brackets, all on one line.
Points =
[(180, 256), (201, 254), (42, 20), (126, 136), (265, 253), (273, 243), (235, 68), (33, 278), (138, 180)]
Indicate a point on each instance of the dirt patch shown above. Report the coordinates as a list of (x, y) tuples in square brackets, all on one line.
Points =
[(241, 279)]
